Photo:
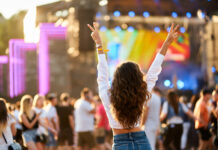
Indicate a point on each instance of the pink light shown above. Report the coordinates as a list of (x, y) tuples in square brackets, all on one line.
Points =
[(1, 78), (17, 47), (17, 63), (3, 59), (47, 31)]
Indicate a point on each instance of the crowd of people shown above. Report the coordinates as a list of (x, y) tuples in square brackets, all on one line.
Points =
[(169, 121), (175, 122), (131, 113), (40, 122)]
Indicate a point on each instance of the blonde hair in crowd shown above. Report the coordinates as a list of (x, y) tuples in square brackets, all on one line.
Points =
[(4, 115), (36, 98), (25, 106)]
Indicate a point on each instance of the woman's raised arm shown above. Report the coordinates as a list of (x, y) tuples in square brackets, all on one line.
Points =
[(103, 75), (155, 68)]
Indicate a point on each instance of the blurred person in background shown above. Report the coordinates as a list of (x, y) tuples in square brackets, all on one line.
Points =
[(66, 123), (53, 120), (214, 115), (160, 136), (29, 120), (42, 132), (193, 140), (18, 126), (10, 108), (202, 110), (102, 125), (84, 120), (186, 123), (174, 111), (150, 117), (7, 126)]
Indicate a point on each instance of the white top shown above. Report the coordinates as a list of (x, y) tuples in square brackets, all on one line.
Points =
[(8, 135), (42, 117), (16, 114), (84, 121), (176, 119), (50, 112), (103, 84), (153, 117)]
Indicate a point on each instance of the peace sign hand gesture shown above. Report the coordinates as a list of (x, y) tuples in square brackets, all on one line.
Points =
[(95, 34), (173, 34)]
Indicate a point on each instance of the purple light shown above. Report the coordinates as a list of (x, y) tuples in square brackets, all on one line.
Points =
[(3, 59), (17, 48), (1, 78), (47, 31), (17, 60)]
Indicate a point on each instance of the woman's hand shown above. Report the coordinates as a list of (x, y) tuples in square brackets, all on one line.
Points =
[(173, 34), (95, 34)]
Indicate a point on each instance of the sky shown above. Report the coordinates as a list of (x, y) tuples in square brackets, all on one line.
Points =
[(11, 7)]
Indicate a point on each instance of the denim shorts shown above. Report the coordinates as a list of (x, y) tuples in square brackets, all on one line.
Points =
[(51, 140), (29, 136), (131, 141)]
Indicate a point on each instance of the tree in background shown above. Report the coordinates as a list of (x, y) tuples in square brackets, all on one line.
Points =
[(10, 29)]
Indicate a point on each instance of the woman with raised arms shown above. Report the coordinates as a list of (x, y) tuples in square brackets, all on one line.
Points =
[(124, 100)]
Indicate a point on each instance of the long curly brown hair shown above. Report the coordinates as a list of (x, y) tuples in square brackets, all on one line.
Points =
[(128, 94)]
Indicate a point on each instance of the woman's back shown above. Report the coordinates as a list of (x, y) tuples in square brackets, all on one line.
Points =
[(125, 99)]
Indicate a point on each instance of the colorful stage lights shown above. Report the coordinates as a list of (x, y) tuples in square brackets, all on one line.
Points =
[(213, 69), (117, 29), (103, 28), (188, 15), (182, 29), (146, 14), (174, 15), (130, 29), (168, 29), (167, 83), (117, 13), (3, 59), (98, 14), (47, 31), (201, 14), (180, 84), (157, 29), (131, 13)]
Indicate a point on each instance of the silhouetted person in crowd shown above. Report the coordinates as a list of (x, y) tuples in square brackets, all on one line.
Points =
[(66, 123)]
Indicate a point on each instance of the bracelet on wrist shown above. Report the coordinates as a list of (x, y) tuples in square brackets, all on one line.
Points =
[(103, 50)]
